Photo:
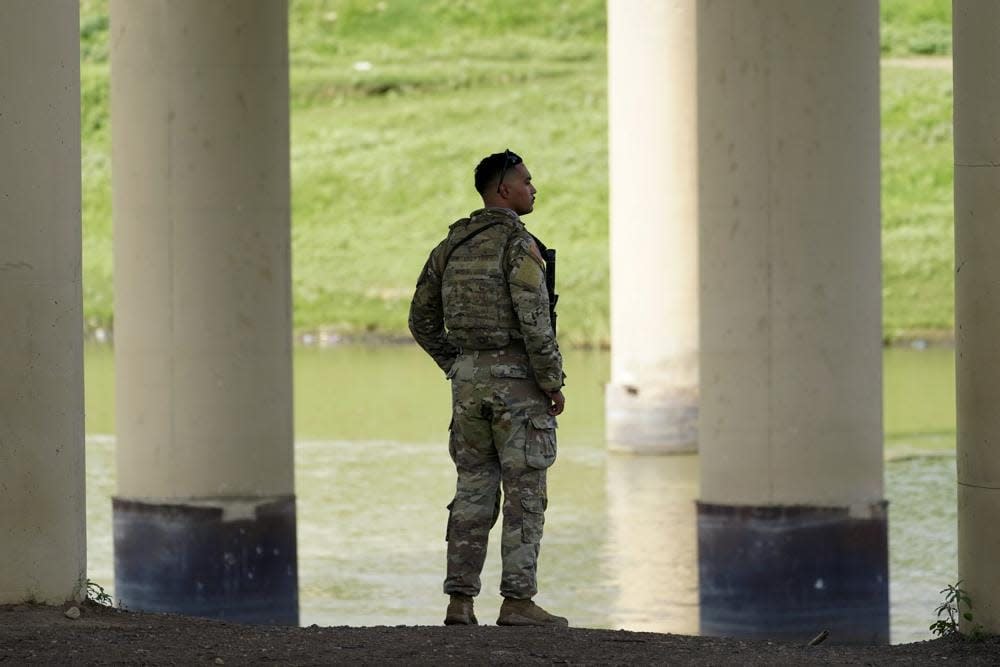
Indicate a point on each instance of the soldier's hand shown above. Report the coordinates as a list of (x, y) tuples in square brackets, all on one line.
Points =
[(558, 402)]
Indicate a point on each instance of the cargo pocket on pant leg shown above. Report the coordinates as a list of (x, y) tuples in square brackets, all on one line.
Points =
[(532, 520), (540, 442)]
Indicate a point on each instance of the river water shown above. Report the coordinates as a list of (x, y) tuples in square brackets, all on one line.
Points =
[(373, 478)]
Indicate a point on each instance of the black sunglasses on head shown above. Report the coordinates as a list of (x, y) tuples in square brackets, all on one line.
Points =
[(509, 160)]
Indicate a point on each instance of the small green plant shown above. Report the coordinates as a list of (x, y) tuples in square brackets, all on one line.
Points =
[(96, 593), (949, 614)]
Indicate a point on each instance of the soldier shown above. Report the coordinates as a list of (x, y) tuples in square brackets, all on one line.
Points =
[(481, 311)]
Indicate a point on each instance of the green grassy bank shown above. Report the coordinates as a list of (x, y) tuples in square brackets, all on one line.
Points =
[(393, 103)]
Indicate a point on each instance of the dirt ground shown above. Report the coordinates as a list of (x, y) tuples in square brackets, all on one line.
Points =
[(33, 634)]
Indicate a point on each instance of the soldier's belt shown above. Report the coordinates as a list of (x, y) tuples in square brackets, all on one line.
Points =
[(515, 354), (515, 345)]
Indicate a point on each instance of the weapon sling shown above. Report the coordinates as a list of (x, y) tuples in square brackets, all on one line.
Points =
[(463, 240)]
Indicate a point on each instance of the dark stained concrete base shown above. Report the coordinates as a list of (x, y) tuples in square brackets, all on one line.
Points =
[(233, 559), (791, 572)]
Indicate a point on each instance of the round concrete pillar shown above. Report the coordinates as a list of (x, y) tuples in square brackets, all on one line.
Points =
[(43, 515), (792, 521), (977, 303), (652, 399), (205, 511)]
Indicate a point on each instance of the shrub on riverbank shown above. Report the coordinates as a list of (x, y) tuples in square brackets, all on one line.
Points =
[(393, 103)]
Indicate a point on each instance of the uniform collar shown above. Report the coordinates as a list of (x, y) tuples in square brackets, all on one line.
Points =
[(494, 210)]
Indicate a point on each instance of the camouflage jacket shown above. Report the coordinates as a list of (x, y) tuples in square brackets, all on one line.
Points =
[(453, 309)]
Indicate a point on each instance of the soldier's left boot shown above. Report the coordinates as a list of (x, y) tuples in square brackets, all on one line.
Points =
[(526, 612), (460, 611)]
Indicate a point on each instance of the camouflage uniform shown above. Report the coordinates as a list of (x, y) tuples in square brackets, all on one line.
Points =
[(481, 311)]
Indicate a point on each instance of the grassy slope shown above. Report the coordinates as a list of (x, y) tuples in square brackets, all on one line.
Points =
[(917, 214), (382, 157), (916, 27)]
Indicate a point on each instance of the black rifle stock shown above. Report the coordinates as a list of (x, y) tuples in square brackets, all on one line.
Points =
[(550, 279)]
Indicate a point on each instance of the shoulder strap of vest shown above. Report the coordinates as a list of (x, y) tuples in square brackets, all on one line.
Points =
[(468, 237)]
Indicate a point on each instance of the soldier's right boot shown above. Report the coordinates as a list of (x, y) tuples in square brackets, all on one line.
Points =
[(526, 612), (460, 611)]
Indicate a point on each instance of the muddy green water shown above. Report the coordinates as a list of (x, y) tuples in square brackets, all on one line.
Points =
[(373, 478)]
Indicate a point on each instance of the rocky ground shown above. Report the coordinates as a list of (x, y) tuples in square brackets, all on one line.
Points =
[(34, 634)]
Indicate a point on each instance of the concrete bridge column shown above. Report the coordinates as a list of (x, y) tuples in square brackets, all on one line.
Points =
[(204, 518), (977, 303), (43, 539), (652, 399), (792, 525)]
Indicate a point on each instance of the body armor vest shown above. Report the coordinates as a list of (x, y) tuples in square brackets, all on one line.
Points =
[(478, 312)]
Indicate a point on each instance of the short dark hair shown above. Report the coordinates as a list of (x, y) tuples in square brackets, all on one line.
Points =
[(491, 166)]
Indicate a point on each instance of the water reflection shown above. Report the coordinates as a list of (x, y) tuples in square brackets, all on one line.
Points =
[(653, 542), (373, 478), (923, 534), (368, 515)]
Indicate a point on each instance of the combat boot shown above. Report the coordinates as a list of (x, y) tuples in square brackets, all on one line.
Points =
[(526, 612), (460, 611)]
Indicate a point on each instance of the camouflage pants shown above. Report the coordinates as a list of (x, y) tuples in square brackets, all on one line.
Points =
[(501, 436)]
